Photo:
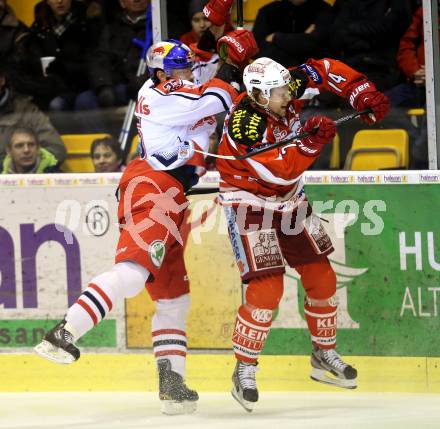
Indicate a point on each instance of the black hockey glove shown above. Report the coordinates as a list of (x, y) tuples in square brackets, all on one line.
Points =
[(298, 83), (230, 74)]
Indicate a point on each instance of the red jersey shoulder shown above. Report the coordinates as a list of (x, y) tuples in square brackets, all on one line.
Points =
[(251, 126), (246, 125)]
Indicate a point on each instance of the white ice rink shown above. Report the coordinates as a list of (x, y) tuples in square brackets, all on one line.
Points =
[(345, 410)]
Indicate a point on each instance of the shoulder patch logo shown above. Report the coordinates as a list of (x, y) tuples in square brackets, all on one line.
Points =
[(312, 72), (157, 252)]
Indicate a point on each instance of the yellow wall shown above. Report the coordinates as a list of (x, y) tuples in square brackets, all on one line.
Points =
[(251, 7), (24, 9), (215, 289), (209, 373)]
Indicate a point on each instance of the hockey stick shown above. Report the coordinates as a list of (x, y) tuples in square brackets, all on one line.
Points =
[(283, 142), (239, 14), (339, 121), (202, 191), (143, 45), (302, 135)]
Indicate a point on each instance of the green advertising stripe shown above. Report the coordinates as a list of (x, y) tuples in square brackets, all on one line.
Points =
[(395, 296), (27, 333)]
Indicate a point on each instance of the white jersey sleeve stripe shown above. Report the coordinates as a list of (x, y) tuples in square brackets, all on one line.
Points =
[(222, 95), (268, 176), (185, 109)]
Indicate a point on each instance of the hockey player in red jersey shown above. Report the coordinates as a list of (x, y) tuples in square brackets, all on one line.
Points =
[(174, 117), (269, 218)]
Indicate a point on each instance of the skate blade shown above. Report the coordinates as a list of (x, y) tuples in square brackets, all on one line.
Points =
[(173, 408), (48, 351), (248, 406), (320, 375)]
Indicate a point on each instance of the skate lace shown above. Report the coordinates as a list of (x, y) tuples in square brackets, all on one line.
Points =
[(246, 375), (67, 336), (333, 359)]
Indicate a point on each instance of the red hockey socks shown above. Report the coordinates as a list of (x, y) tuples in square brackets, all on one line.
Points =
[(320, 308), (254, 318), (251, 330), (322, 324)]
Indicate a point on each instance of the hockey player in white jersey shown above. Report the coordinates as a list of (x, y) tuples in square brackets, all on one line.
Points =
[(175, 116)]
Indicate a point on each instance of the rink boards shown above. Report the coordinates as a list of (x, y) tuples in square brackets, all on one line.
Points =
[(58, 231), (210, 373)]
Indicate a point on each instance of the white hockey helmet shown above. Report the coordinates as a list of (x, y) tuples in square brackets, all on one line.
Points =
[(265, 74)]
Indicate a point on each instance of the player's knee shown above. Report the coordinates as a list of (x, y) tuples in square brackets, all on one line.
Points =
[(319, 279), (109, 282), (131, 278), (321, 302), (174, 309), (265, 291), (181, 303)]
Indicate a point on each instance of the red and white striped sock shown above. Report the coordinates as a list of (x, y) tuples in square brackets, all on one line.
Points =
[(169, 331), (171, 344), (89, 309), (124, 280)]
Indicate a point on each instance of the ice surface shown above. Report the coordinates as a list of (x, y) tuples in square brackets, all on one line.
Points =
[(278, 410)]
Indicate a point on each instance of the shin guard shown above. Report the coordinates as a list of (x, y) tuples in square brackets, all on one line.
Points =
[(321, 319), (252, 327)]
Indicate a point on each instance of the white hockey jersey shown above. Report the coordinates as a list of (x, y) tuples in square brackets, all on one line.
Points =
[(175, 112), (203, 70)]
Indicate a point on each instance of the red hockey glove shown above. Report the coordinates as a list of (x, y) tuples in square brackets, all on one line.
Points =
[(238, 46), (322, 130), (217, 11), (366, 96)]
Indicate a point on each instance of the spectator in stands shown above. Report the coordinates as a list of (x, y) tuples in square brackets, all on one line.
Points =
[(411, 61), (366, 34), (12, 34), (110, 8), (113, 66), (199, 22), (106, 155), (17, 109), (94, 8), (283, 30), (25, 155), (63, 31), (16, 56)]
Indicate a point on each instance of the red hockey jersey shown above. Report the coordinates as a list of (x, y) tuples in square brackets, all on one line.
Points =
[(276, 173)]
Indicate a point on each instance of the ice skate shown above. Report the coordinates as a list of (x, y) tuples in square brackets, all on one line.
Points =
[(57, 345), (329, 368), (175, 396), (244, 388)]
